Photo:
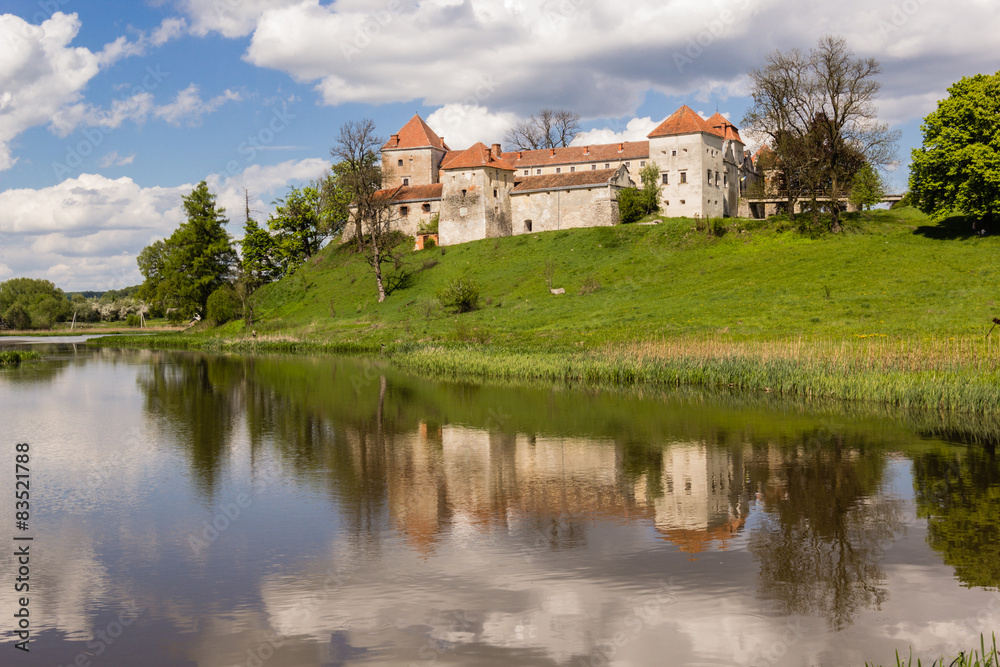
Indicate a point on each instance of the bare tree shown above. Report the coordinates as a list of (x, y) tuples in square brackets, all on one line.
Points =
[(549, 128), (359, 177), (819, 112)]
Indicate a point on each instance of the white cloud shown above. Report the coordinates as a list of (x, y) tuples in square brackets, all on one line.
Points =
[(189, 107), (636, 129), (169, 30), (85, 232), (462, 125), (230, 18), (113, 159), (39, 74)]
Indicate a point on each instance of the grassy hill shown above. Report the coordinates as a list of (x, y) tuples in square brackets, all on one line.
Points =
[(893, 311), (892, 273)]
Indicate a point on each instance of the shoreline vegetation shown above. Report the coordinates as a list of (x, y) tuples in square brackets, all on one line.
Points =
[(984, 656), (892, 311), (16, 357)]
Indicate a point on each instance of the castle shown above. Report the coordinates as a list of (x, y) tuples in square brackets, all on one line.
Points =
[(484, 192)]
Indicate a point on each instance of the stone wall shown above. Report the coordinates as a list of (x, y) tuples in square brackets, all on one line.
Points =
[(475, 204), (564, 209), (420, 166)]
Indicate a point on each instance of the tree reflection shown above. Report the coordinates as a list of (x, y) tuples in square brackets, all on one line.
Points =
[(192, 396), (958, 492), (821, 541)]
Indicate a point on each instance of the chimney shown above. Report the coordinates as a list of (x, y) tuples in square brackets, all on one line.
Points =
[(520, 154), (621, 147), (586, 150), (489, 155), (552, 152), (395, 140), (497, 151)]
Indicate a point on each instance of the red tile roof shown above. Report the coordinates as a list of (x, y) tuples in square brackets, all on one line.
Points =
[(683, 121), (626, 150), (579, 179), (415, 134), (476, 156), (405, 193), (724, 128)]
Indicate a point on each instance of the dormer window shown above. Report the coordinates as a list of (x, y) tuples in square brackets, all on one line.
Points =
[(607, 165)]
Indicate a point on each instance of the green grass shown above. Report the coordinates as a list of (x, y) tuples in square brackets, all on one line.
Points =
[(981, 657), (15, 357), (667, 304)]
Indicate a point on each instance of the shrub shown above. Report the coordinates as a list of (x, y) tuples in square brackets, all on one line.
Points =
[(17, 318), (460, 295), (429, 243), (132, 320), (223, 305), (630, 205), (175, 316)]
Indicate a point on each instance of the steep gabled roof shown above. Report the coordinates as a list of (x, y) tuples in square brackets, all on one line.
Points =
[(477, 155), (721, 125), (683, 121), (626, 150), (415, 134), (578, 179)]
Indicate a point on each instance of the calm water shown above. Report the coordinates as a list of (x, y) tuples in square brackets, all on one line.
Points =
[(191, 509)]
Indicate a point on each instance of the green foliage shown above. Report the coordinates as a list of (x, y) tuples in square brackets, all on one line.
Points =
[(868, 188), (133, 320), (224, 305), (460, 295), (297, 228), (258, 261), (15, 357), (431, 226), (630, 205), (958, 166), (649, 196), (27, 303), (182, 271)]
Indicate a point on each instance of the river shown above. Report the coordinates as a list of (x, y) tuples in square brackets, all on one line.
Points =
[(197, 509)]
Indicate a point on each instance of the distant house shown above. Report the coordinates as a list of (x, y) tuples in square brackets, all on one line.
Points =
[(484, 192)]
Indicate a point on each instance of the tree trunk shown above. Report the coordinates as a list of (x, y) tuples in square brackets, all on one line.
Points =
[(834, 206), (377, 265)]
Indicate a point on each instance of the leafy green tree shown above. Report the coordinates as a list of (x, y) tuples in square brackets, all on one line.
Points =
[(195, 261), (868, 188), (258, 263), (650, 194), (298, 227), (958, 166), (629, 205), (27, 303)]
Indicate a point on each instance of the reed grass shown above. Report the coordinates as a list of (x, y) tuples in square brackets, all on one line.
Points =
[(15, 357), (981, 657)]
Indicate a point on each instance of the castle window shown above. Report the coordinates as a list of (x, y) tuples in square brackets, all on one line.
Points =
[(525, 172), (426, 208), (725, 179), (494, 192), (558, 170), (404, 210), (400, 163), (666, 179), (666, 203), (628, 165), (406, 181), (682, 202), (463, 194), (538, 171), (607, 166), (684, 178), (593, 167), (673, 153), (716, 179), (642, 163), (527, 225), (572, 169), (709, 176)]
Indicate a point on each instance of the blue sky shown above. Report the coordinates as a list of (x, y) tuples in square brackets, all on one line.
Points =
[(111, 111)]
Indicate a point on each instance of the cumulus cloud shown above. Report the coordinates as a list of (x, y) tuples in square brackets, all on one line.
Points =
[(636, 129), (113, 159), (85, 232), (230, 18), (518, 56), (462, 125)]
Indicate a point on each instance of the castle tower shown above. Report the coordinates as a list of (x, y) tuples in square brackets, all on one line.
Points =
[(413, 155)]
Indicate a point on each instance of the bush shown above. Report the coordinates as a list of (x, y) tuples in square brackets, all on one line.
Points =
[(223, 305), (429, 243), (132, 320), (630, 205), (175, 316), (460, 295), (17, 318)]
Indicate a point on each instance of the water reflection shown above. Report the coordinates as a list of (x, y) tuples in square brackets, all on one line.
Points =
[(389, 519), (958, 492)]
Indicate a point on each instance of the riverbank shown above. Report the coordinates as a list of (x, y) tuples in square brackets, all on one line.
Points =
[(894, 311)]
